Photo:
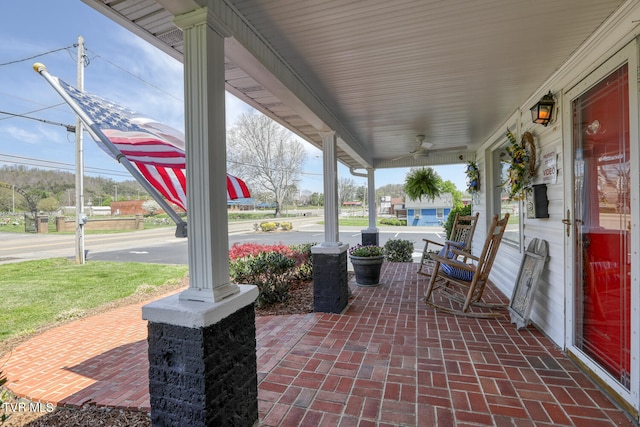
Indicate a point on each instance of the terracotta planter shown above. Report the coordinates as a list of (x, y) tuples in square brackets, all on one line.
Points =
[(367, 269)]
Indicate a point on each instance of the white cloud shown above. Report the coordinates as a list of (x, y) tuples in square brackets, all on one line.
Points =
[(24, 136)]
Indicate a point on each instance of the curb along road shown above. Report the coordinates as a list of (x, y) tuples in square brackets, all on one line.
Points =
[(15, 247)]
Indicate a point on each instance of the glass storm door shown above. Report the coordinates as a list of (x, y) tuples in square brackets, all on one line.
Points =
[(602, 224)]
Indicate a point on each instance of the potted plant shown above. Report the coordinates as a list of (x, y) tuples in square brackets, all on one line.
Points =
[(367, 262)]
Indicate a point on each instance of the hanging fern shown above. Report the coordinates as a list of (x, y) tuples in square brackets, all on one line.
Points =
[(423, 182)]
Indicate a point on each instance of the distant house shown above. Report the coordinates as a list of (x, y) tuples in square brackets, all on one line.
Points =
[(244, 204), (396, 204), (384, 207), (128, 207), (429, 212), (390, 205)]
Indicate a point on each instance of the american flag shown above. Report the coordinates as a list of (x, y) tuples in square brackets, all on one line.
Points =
[(156, 150)]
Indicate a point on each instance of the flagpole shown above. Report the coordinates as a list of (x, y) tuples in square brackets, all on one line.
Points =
[(80, 216), (181, 229)]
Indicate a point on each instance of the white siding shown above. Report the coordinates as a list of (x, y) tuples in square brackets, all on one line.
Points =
[(548, 312), (548, 309)]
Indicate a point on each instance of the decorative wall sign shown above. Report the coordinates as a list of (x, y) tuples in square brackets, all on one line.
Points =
[(524, 291), (550, 167)]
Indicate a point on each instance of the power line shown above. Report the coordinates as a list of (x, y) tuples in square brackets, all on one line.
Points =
[(70, 128), (32, 111), (38, 55), (51, 164), (96, 55), (87, 61)]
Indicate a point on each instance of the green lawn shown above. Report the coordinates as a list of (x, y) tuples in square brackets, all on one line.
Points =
[(38, 293), (354, 222)]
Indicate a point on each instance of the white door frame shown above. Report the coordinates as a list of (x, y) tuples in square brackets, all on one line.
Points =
[(629, 55)]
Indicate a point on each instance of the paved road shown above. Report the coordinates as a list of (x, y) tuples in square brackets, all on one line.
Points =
[(160, 245)]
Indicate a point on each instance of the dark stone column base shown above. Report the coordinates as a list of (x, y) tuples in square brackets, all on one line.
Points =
[(370, 237), (204, 376), (330, 280)]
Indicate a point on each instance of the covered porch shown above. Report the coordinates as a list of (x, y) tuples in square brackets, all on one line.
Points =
[(377, 84), (388, 360)]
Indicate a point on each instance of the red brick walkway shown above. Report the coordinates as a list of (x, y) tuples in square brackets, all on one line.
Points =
[(389, 360)]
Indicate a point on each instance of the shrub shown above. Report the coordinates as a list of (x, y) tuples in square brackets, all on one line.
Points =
[(300, 253), (398, 250), (270, 267), (388, 221), (240, 250), (304, 260), (271, 272), (393, 221), (286, 226), (268, 226), (464, 210)]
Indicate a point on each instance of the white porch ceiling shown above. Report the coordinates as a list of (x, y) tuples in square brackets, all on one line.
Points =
[(380, 72)]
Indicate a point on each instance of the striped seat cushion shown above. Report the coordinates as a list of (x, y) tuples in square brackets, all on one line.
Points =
[(454, 272), (457, 273), (457, 245)]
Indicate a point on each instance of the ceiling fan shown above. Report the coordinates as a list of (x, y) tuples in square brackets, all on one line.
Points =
[(424, 148)]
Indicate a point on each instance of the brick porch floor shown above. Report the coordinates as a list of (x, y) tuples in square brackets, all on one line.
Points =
[(389, 360)]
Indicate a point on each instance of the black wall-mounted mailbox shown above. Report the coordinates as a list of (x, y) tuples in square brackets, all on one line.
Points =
[(537, 202)]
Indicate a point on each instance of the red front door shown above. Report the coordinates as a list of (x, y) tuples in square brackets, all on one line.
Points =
[(602, 222)]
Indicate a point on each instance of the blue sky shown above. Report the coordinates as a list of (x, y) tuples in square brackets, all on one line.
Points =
[(123, 68)]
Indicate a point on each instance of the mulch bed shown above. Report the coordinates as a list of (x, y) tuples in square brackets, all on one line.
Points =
[(300, 301), (88, 416)]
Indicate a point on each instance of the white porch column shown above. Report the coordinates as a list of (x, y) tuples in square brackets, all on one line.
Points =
[(330, 280), (204, 339), (371, 196), (205, 133), (330, 173), (370, 235)]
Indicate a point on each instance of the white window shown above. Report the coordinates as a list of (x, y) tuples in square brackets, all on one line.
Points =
[(513, 233)]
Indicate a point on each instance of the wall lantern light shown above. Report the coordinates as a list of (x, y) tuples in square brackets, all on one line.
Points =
[(542, 112)]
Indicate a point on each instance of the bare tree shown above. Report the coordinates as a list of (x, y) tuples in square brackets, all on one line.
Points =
[(346, 190), (265, 155)]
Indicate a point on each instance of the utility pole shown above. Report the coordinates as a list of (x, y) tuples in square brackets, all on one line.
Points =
[(80, 215)]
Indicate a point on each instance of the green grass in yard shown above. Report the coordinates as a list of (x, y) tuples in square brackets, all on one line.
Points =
[(359, 222), (35, 293)]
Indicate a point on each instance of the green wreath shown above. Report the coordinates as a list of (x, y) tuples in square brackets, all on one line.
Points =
[(522, 165), (473, 177)]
